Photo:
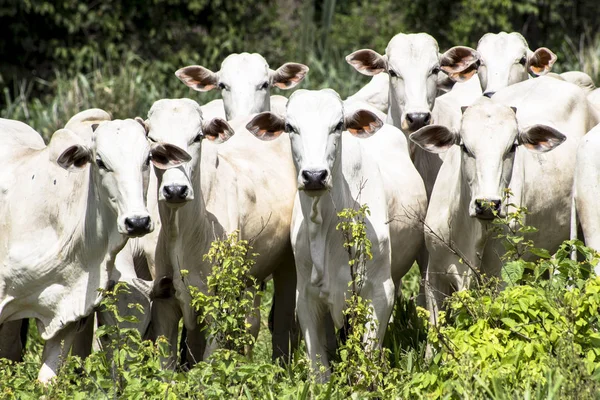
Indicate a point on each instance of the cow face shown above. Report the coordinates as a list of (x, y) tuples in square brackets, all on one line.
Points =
[(488, 140), (120, 164), (315, 121), (413, 63), (245, 81), (506, 60), (176, 131)]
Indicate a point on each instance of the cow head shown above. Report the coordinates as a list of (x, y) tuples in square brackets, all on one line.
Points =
[(176, 130), (119, 158), (315, 121), (506, 59), (413, 63), (245, 81), (488, 139)]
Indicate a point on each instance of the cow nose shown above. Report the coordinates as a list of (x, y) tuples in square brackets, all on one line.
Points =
[(418, 120), (314, 180), (175, 193), (489, 94), (487, 208), (137, 226)]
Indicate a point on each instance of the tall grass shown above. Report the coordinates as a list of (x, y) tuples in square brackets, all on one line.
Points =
[(583, 55)]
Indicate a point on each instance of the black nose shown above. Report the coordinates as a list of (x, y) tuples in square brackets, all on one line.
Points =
[(175, 193), (489, 94), (314, 180), (487, 208), (137, 226), (418, 120)]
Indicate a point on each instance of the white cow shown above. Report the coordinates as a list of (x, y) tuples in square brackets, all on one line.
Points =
[(201, 201), (84, 202), (485, 157), (413, 63), (587, 178), (245, 81), (594, 98), (336, 169)]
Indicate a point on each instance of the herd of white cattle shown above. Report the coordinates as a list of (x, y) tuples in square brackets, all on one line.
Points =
[(430, 144)]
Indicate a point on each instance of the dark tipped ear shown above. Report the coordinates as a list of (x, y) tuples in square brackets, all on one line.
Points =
[(289, 75), (143, 124), (434, 138), (367, 62), (460, 63), (74, 157), (198, 78), (266, 126), (165, 156), (540, 138), (541, 61), (217, 130), (362, 123)]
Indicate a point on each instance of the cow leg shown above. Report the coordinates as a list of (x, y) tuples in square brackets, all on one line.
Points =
[(11, 343), (192, 346), (285, 328), (55, 352), (84, 336), (311, 315), (165, 316)]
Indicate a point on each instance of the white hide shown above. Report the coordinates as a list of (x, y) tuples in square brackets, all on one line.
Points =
[(81, 219), (540, 182), (374, 93), (380, 164), (245, 81), (231, 191)]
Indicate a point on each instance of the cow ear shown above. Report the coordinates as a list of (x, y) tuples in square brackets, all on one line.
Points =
[(434, 138), (217, 130), (266, 126), (541, 61), (143, 123), (444, 83), (165, 156), (367, 62), (362, 123), (198, 78), (460, 63), (540, 138), (74, 157), (288, 75)]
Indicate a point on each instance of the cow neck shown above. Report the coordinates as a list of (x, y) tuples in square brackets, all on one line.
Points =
[(320, 215), (102, 240), (469, 234)]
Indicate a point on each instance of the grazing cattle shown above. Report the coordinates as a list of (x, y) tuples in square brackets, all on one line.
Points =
[(337, 167), (245, 81), (205, 199), (587, 190), (84, 202), (413, 63), (486, 156)]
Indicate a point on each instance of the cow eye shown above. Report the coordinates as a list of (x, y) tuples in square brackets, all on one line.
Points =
[(339, 126), (435, 71), (392, 74), (222, 86), (101, 164), (151, 139), (513, 148), (289, 128), (198, 138), (523, 60), (264, 86)]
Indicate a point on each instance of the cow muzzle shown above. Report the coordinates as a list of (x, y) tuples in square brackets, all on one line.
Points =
[(136, 226), (314, 181), (416, 120), (486, 208), (176, 195)]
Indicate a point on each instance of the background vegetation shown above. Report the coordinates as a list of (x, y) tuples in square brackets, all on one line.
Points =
[(59, 57)]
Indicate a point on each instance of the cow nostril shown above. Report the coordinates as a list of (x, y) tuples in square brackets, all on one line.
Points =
[(321, 175), (496, 204), (168, 192), (427, 119), (409, 118)]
